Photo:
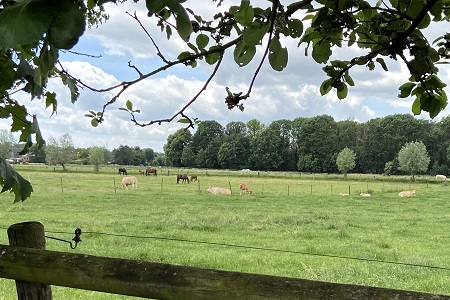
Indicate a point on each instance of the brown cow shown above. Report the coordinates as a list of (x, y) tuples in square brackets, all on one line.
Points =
[(151, 170), (244, 188), (142, 172), (193, 178)]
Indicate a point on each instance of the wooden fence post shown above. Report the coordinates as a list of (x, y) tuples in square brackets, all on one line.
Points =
[(30, 235)]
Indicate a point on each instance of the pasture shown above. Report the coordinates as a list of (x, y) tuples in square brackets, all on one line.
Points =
[(292, 225)]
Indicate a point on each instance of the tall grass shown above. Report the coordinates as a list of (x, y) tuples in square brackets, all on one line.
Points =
[(287, 229)]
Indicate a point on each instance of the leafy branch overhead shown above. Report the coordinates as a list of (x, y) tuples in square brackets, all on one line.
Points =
[(381, 31)]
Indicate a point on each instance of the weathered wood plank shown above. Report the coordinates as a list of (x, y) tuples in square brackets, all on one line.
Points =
[(31, 235), (165, 281)]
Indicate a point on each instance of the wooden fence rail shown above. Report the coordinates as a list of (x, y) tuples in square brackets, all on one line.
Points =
[(165, 281)]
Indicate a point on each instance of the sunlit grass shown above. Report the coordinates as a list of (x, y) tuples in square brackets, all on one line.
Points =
[(301, 215)]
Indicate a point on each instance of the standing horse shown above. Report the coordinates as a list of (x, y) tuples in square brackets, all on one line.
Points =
[(183, 178), (123, 171), (151, 170)]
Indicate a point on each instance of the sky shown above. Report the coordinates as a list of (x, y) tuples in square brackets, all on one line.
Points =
[(289, 94)]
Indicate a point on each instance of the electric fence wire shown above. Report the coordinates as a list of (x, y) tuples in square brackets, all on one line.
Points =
[(259, 248), (255, 248)]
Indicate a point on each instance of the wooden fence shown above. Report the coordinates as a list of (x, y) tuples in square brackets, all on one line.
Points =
[(36, 269)]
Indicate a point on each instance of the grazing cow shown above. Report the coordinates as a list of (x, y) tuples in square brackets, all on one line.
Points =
[(244, 171), (123, 171), (365, 195), (151, 170), (142, 172), (244, 188), (441, 177), (129, 180), (411, 193), (218, 191), (183, 178), (193, 178)]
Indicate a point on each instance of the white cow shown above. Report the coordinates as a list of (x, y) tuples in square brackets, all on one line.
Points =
[(218, 191), (441, 177), (129, 180), (411, 193), (365, 195), (244, 171)]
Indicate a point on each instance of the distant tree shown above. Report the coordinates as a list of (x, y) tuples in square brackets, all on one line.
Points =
[(413, 158), (209, 131), (97, 157), (60, 152), (123, 155), (306, 163), (188, 157), (264, 153), (83, 155), (235, 128), (175, 145), (254, 127), (7, 142), (234, 153), (346, 161), (150, 155), (37, 154)]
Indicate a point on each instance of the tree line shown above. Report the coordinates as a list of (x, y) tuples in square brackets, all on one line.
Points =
[(310, 144), (317, 144)]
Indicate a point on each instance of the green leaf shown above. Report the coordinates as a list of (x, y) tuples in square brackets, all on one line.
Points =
[(72, 85), (342, 90), (213, 57), (243, 54), (405, 89), (433, 82), (11, 180), (192, 46), (295, 27), (50, 100), (254, 33), (321, 52), (154, 6), (325, 87), (278, 56), (245, 13), (129, 105), (16, 20), (184, 121), (416, 107), (202, 41), (68, 25), (184, 25), (349, 79), (47, 59), (94, 122), (382, 63), (183, 55)]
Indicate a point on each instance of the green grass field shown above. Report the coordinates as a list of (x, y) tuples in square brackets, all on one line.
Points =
[(303, 215)]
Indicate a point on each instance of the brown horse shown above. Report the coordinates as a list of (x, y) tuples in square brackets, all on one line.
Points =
[(193, 178), (183, 178), (151, 170)]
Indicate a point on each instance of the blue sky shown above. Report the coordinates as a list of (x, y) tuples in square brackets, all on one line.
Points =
[(276, 95)]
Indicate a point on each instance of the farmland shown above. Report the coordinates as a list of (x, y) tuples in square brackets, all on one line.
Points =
[(294, 225)]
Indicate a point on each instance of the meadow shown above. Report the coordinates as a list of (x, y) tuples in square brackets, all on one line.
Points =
[(294, 225)]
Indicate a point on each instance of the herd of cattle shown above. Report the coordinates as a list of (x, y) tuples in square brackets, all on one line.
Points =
[(132, 181), (243, 188)]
